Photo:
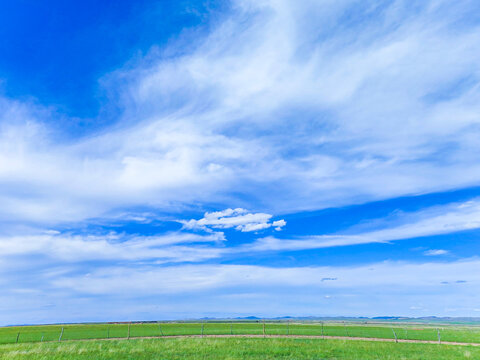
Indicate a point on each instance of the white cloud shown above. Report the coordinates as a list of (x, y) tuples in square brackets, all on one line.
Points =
[(436, 252), (279, 224), (239, 218)]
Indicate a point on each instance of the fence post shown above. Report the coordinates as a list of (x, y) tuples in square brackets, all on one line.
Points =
[(128, 336), (394, 334), (231, 328), (288, 327), (61, 334), (202, 328), (323, 336), (438, 334), (160, 328), (18, 335), (263, 327), (406, 333), (108, 333), (345, 326)]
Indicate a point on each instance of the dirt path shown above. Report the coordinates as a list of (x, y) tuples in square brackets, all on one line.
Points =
[(292, 337)]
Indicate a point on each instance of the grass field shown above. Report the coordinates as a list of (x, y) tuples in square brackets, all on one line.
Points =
[(25, 334), (234, 348)]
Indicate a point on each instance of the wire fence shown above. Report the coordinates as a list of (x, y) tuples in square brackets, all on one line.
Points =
[(395, 332)]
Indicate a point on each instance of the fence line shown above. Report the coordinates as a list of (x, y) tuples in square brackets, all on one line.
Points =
[(260, 327)]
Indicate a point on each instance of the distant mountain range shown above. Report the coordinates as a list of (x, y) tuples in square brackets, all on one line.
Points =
[(424, 319)]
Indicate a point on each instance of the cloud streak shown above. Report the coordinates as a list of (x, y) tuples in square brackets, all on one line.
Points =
[(57, 247), (436, 252), (428, 222)]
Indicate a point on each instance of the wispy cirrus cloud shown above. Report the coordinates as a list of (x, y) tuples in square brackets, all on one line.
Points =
[(282, 103), (59, 247), (438, 220)]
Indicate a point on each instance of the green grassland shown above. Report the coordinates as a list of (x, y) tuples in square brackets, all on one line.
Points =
[(25, 334), (234, 348)]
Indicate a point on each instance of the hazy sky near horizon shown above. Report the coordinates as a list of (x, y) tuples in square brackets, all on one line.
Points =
[(180, 159)]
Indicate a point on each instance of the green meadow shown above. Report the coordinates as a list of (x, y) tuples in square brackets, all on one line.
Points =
[(234, 348), (48, 333)]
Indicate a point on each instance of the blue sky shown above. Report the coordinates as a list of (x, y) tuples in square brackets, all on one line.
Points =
[(181, 159)]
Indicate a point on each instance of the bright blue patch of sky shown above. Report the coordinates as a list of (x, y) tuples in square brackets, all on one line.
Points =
[(56, 51), (459, 245)]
